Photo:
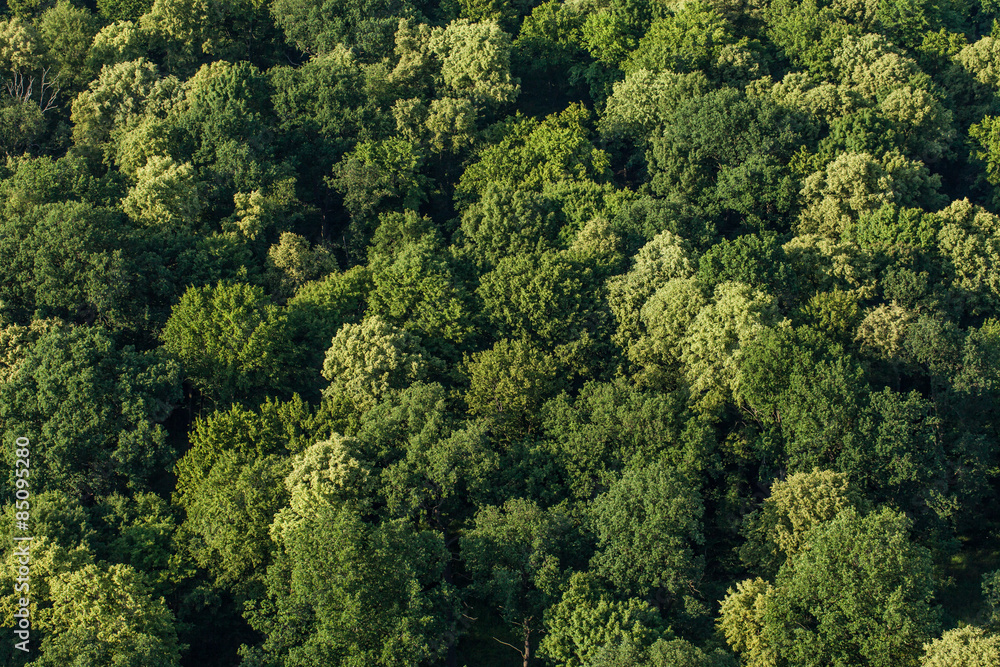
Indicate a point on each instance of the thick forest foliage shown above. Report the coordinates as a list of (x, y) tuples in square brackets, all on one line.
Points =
[(575, 333)]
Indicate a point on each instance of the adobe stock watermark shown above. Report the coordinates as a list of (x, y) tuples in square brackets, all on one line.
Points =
[(22, 543)]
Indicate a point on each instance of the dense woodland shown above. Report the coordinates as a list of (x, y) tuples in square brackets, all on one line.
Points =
[(593, 333)]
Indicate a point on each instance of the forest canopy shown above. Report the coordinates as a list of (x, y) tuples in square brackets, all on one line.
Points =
[(575, 333)]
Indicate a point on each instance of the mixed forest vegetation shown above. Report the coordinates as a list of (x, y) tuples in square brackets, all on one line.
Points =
[(593, 333)]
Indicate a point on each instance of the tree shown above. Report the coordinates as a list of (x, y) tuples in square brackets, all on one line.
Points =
[(803, 501), (813, 390), (860, 594), (123, 10), (531, 154), (547, 299), (509, 383), (320, 308), (120, 93), (872, 66), (186, 31), (415, 284), (666, 257), (742, 618), (94, 407), (612, 427), (230, 485), (808, 33), (292, 262), (642, 103), (323, 107), (665, 318), (345, 591), (368, 360), (71, 260), (434, 466), (319, 27), (67, 31), (713, 349), (718, 144), (648, 525), (165, 193), (475, 62), (692, 38), (753, 259), (963, 647), (968, 243), (107, 617), (587, 619), (662, 653), (508, 222), (991, 593), (229, 518), (230, 339), (378, 171), (855, 184), (139, 531), (519, 554)]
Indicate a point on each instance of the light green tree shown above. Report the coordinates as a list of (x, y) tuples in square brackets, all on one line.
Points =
[(366, 361), (532, 154), (587, 619), (107, 617), (165, 193), (712, 349), (666, 257), (643, 101), (475, 62), (963, 647), (857, 183), (803, 501)]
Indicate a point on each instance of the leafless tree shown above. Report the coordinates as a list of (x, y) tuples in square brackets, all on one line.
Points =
[(22, 88)]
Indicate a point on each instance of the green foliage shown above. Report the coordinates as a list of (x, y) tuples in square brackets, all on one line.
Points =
[(137, 531), (70, 260), (93, 406), (530, 154), (695, 38), (803, 501), (510, 381), (320, 27), (860, 594), (991, 592), (123, 10), (715, 146), (415, 285), (475, 62), (229, 338), (963, 647), (586, 434), (508, 222), (585, 620), (376, 597), (375, 172), (520, 552), (418, 332), (648, 524), (366, 361), (77, 628), (675, 652), (545, 298)]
